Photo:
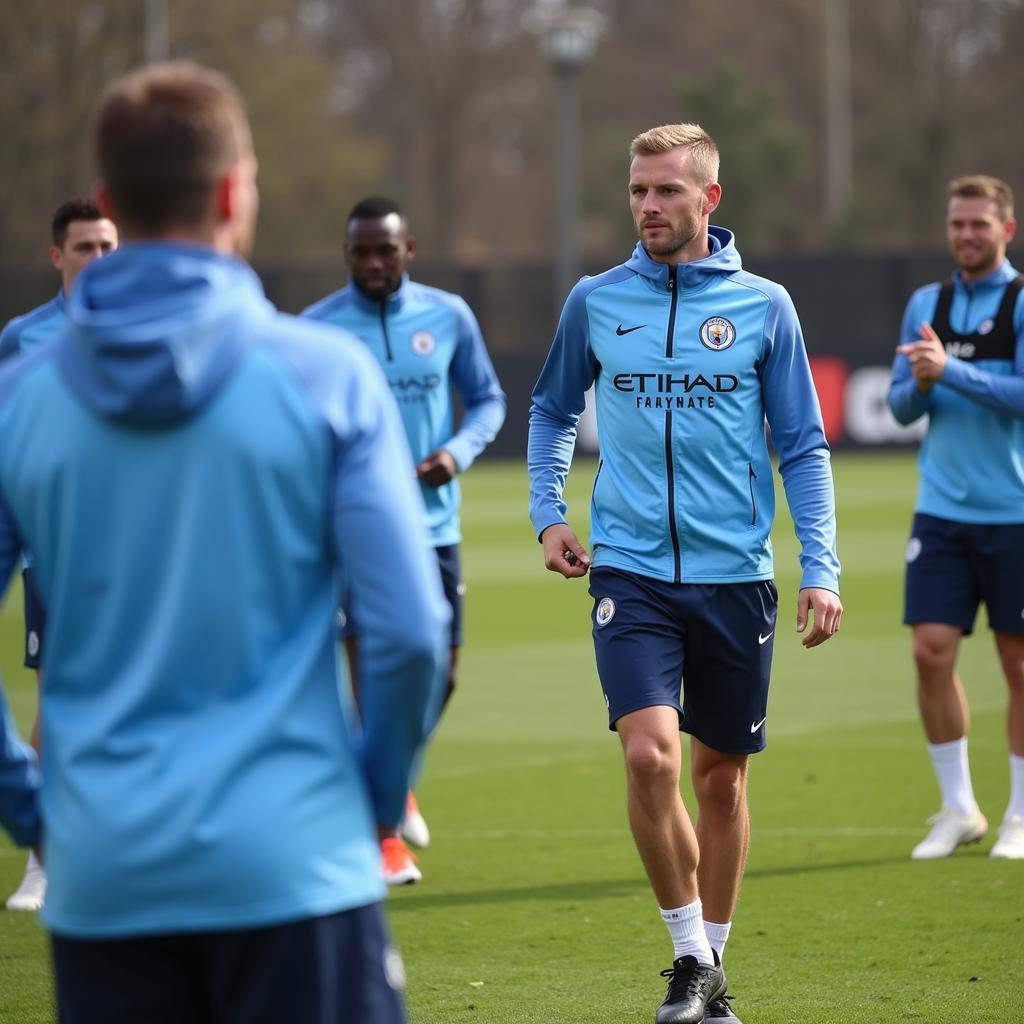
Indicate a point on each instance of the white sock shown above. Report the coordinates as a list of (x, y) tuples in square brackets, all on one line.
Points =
[(951, 769), (33, 861), (1016, 805), (686, 927), (718, 936)]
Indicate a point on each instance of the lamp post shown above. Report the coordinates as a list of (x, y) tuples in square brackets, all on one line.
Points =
[(155, 31), (568, 40)]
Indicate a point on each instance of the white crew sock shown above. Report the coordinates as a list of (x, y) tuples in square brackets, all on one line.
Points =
[(951, 769), (33, 861), (718, 936), (686, 927), (1016, 806)]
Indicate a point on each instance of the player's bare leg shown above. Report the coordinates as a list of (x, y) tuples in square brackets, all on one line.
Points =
[(723, 827), (1010, 844), (660, 824), (667, 845), (723, 837), (946, 720), (940, 694)]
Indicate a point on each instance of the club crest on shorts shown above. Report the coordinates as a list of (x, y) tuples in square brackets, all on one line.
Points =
[(913, 548), (717, 333), (605, 612), (423, 343), (985, 327)]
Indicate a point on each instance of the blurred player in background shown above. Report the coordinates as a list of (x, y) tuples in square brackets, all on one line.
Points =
[(688, 355), (431, 350), (961, 362), (80, 234), (193, 472)]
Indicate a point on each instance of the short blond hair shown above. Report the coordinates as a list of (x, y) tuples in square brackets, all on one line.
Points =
[(982, 186), (703, 151)]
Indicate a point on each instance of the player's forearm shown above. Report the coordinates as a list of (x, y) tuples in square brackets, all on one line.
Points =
[(811, 498), (480, 425), (549, 455)]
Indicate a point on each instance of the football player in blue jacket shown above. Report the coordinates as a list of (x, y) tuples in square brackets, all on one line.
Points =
[(688, 355), (79, 234), (429, 345), (195, 474), (960, 361)]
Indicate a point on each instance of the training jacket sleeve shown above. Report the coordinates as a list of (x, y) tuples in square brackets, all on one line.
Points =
[(19, 773), (906, 401), (1002, 392), (473, 376), (558, 401), (791, 407), (380, 536)]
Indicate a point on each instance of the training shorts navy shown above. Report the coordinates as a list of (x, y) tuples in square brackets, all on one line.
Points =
[(450, 564), (953, 567), (335, 969), (712, 641), (35, 619)]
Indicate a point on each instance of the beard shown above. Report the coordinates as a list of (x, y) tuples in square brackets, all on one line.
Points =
[(679, 236), (977, 258)]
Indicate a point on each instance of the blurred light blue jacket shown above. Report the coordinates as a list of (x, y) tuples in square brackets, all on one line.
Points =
[(192, 470)]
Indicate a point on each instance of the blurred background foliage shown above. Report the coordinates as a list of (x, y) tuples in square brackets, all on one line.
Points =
[(448, 106)]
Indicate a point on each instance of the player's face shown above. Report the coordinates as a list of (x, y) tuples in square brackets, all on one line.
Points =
[(977, 235), (377, 252), (669, 205), (87, 240)]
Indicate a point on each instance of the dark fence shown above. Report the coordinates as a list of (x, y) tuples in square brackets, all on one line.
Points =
[(850, 307)]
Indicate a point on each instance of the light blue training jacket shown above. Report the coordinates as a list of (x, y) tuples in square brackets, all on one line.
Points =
[(191, 470), (428, 342), (972, 458), (687, 361), (24, 333)]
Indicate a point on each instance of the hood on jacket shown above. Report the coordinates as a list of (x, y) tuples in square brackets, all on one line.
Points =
[(156, 328), (723, 258)]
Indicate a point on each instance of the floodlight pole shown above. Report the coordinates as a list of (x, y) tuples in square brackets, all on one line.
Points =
[(838, 118), (155, 31), (568, 41)]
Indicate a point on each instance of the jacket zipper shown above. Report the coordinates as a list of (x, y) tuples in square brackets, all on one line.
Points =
[(384, 328), (669, 463), (753, 499)]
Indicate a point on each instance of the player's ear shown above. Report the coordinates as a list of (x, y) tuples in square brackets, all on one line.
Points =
[(712, 197), (410, 247), (56, 255), (1010, 227)]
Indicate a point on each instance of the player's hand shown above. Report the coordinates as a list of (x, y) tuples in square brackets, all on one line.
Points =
[(927, 358), (828, 613), (563, 552), (437, 469)]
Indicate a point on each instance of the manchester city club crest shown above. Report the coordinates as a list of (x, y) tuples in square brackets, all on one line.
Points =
[(717, 333), (423, 343), (605, 612)]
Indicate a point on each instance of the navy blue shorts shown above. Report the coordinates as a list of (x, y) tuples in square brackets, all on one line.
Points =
[(953, 567), (35, 619), (337, 969), (712, 640), (450, 564)]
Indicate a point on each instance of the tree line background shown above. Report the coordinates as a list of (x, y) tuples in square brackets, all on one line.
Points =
[(448, 106)]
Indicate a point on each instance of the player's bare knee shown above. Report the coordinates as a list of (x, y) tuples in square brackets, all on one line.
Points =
[(721, 788), (933, 657), (650, 764)]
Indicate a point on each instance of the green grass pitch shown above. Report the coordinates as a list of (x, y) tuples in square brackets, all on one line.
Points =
[(534, 908)]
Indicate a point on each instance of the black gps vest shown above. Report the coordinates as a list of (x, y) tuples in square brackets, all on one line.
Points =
[(993, 338)]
